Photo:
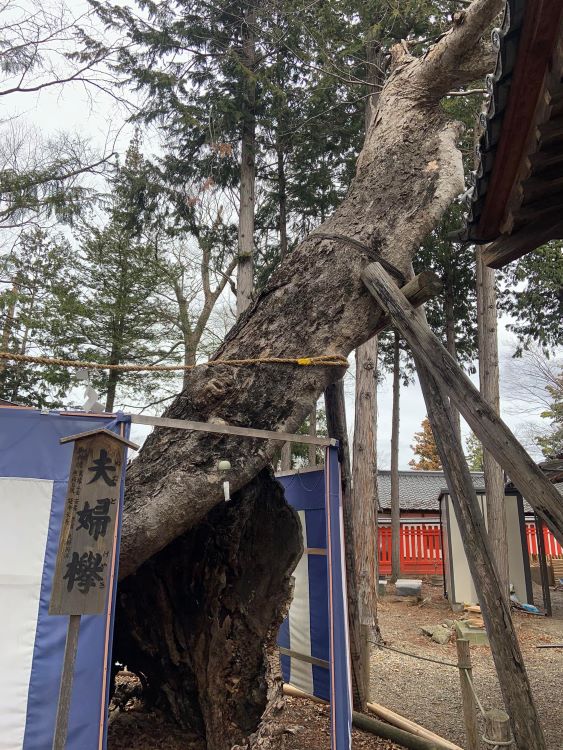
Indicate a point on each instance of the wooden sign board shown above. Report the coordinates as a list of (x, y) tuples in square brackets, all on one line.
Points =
[(87, 540)]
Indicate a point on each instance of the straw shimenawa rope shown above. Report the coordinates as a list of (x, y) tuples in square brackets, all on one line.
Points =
[(324, 360)]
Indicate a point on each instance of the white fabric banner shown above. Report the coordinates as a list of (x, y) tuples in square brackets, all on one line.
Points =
[(25, 507)]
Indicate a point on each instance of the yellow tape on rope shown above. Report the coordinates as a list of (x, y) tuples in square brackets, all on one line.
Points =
[(324, 360)]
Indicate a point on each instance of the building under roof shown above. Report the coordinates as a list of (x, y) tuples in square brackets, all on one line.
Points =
[(516, 202)]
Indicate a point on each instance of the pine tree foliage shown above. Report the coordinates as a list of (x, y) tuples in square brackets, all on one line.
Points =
[(425, 448), (36, 275), (533, 297), (115, 319), (186, 60)]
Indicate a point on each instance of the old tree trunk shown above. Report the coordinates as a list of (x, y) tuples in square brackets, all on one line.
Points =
[(207, 583)]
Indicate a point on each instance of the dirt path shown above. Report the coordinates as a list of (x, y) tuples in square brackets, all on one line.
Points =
[(306, 724), (430, 694)]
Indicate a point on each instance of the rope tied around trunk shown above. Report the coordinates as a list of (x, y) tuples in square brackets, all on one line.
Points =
[(322, 360), (370, 251)]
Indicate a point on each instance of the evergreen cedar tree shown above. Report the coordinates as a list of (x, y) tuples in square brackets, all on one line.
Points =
[(203, 683)]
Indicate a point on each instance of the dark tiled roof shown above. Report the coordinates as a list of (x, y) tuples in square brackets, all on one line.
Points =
[(418, 490)]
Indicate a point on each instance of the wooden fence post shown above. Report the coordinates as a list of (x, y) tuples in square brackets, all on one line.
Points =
[(497, 727), (468, 700)]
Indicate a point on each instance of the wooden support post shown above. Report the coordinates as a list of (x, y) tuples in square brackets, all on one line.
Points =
[(497, 727), (505, 648), (286, 457), (65, 691), (467, 698), (359, 646), (543, 566), (485, 423), (313, 432)]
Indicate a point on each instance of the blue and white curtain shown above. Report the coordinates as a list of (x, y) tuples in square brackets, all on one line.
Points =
[(34, 470), (313, 640)]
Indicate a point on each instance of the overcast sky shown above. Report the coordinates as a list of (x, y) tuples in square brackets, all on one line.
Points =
[(97, 117)]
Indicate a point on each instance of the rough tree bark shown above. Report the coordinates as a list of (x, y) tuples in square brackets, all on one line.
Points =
[(395, 499), (408, 172), (489, 384), (188, 620)]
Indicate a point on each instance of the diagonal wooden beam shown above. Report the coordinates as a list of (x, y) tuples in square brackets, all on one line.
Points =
[(485, 423), (229, 429), (513, 679)]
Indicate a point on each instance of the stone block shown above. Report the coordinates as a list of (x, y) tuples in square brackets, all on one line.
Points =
[(408, 587), (429, 629), (475, 636), (441, 635)]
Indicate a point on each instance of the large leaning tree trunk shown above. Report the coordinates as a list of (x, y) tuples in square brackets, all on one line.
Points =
[(207, 583)]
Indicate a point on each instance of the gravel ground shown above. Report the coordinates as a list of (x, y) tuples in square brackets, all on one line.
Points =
[(422, 691), (430, 694)]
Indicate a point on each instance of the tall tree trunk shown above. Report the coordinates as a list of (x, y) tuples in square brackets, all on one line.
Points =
[(395, 499), (489, 383), (114, 375), (449, 317), (408, 172), (362, 518), (23, 345), (335, 407), (113, 379), (364, 495), (245, 276), (282, 196), (9, 320)]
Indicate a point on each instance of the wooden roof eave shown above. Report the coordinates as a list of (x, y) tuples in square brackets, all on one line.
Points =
[(533, 214), (519, 180)]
